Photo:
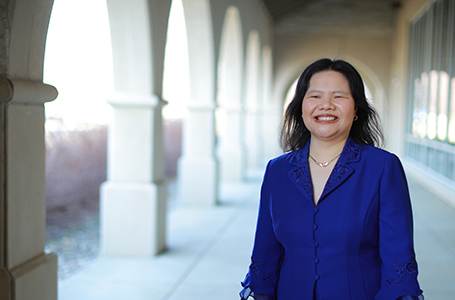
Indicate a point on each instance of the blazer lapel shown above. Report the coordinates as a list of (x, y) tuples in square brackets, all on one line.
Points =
[(342, 170), (300, 173)]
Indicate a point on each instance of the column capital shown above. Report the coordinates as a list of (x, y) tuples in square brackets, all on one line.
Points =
[(26, 91)]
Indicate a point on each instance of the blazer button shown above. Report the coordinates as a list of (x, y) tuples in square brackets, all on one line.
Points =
[(317, 277), (316, 244), (316, 260), (316, 210), (315, 226)]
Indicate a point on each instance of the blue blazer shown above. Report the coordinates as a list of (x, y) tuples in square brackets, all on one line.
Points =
[(356, 244)]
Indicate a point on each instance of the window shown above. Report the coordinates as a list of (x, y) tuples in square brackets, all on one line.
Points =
[(431, 93)]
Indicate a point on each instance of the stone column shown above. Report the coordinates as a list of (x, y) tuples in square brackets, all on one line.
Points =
[(272, 111), (133, 199), (271, 121), (253, 129), (229, 99), (26, 271), (231, 150), (198, 168), (253, 137)]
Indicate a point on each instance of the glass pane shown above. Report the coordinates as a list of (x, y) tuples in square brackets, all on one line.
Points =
[(416, 119), (452, 113), (431, 122), (422, 106), (443, 105)]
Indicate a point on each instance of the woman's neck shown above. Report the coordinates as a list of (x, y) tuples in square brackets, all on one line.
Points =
[(325, 150)]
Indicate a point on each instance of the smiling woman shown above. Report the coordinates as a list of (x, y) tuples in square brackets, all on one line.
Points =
[(335, 217), (366, 129)]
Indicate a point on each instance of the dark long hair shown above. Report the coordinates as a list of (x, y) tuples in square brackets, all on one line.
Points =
[(366, 130)]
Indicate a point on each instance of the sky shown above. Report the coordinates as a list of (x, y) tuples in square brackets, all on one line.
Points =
[(78, 62)]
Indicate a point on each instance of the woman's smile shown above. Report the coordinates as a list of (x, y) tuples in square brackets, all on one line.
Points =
[(326, 118)]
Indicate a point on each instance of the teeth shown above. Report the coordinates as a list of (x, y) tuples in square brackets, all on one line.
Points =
[(326, 118)]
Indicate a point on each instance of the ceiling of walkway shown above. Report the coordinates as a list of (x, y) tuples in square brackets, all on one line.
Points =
[(366, 17)]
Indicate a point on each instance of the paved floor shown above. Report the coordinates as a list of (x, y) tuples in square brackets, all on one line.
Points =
[(210, 246)]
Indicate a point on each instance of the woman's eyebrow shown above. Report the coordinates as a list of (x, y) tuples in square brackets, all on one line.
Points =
[(333, 92), (314, 91), (341, 92)]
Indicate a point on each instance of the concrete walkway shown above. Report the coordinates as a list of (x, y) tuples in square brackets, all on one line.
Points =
[(210, 246)]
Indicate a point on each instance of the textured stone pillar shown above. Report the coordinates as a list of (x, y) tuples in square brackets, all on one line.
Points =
[(26, 271), (133, 199)]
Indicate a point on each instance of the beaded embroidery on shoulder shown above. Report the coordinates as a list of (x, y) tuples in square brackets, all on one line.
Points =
[(299, 156), (351, 151)]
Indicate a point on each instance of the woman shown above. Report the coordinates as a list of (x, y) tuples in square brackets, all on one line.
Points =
[(335, 220)]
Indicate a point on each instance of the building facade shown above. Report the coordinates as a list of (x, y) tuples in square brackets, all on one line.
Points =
[(243, 56)]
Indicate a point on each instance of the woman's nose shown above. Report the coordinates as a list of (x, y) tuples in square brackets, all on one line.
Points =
[(326, 103)]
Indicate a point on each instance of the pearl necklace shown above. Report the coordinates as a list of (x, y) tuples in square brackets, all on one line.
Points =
[(325, 163)]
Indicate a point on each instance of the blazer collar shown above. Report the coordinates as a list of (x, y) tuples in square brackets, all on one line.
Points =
[(300, 174)]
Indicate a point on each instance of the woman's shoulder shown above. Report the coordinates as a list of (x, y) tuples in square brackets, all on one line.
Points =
[(379, 155), (293, 157), (377, 151)]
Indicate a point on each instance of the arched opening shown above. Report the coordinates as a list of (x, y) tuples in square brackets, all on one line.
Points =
[(176, 90), (78, 62), (271, 116), (253, 132), (229, 98)]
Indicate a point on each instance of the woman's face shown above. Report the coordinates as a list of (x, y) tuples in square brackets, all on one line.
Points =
[(328, 107)]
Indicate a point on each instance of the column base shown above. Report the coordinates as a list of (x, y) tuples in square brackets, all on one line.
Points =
[(133, 219), (35, 279), (198, 180)]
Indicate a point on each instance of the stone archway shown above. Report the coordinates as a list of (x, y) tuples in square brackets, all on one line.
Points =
[(271, 116), (253, 132), (198, 166), (133, 199), (374, 85), (229, 98), (26, 271)]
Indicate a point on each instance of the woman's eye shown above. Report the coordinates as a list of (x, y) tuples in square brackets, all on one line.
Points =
[(313, 96)]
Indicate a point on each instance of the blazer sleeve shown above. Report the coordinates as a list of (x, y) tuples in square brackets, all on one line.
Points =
[(264, 269), (396, 247)]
